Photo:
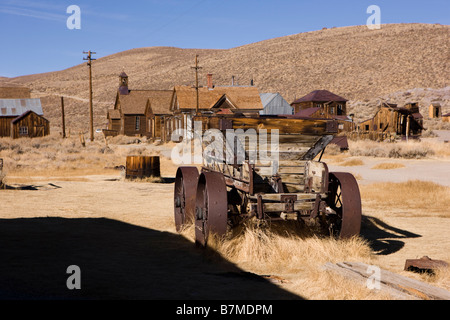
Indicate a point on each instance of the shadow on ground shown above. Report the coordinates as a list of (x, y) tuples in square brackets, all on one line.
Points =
[(117, 261), (383, 238)]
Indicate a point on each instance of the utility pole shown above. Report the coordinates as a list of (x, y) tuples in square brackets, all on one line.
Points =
[(91, 113), (63, 118), (196, 82)]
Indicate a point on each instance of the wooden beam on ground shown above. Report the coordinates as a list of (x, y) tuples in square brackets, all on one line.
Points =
[(399, 287)]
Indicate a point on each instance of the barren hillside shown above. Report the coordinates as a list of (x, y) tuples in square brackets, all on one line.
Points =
[(399, 61)]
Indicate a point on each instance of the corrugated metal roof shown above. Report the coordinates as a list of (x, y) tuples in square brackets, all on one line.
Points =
[(16, 107)]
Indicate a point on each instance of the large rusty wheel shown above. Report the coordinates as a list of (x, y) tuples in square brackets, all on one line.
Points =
[(211, 207), (344, 198), (184, 196)]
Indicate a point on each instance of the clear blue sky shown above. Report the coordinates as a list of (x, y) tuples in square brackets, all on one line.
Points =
[(35, 37)]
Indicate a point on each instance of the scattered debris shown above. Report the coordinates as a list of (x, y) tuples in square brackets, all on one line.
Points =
[(48, 186), (424, 265)]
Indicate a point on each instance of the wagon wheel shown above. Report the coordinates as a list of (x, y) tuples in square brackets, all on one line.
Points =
[(211, 207), (184, 196), (344, 198)]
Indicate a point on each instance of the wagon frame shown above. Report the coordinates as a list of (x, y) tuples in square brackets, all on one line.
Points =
[(223, 195)]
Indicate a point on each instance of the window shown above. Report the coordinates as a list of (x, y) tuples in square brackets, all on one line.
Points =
[(331, 110), (340, 110), (138, 123), (23, 131), (367, 127)]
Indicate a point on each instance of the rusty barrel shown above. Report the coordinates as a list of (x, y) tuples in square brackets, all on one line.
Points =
[(142, 167)]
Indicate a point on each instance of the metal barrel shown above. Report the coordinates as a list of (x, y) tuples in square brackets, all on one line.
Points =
[(142, 167)]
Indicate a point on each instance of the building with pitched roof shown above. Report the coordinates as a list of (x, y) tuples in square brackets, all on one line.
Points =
[(20, 115), (212, 100), (332, 104), (393, 120), (138, 112), (274, 104)]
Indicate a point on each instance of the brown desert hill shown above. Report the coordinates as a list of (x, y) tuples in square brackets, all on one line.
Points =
[(362, 65)]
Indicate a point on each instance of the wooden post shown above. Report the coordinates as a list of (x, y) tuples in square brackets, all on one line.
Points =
[(91, 113), (196, 83), (407, 127), (63, 118)]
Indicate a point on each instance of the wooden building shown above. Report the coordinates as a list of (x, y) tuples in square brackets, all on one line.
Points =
[(332, 104), (231, 100), (392, 120), (138, 112), (434, 111), (22, 118)]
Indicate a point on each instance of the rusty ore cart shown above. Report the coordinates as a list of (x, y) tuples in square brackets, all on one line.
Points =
[(296, 187)]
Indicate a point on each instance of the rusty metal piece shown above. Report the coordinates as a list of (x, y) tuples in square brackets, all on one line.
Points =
[(184, 196), (344, 198), (211, 207), (315, 211), (259, 207), (424, 264), (288, 200)]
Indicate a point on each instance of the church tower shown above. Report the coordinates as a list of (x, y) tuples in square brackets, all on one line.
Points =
[(123, 85)]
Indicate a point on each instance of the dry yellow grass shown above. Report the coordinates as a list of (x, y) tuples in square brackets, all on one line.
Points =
[(295, 255), (388, 165), (399, 149), (415, 197)]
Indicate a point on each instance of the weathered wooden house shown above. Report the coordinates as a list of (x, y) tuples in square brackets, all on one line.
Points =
[(332, 104), (274, 104), (22, 118), (231, 100), (138, 112), (435, 110), (393, 120)]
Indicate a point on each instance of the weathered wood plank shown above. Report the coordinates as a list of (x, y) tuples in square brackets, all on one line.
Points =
[(277, 196), (280, 207), (397, 285), (355, 276), (268, 171), (412, 286)]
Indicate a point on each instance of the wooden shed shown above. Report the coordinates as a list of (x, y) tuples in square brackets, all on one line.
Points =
[(22, 118), (434, 110), (31, 125), (393, 120)]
